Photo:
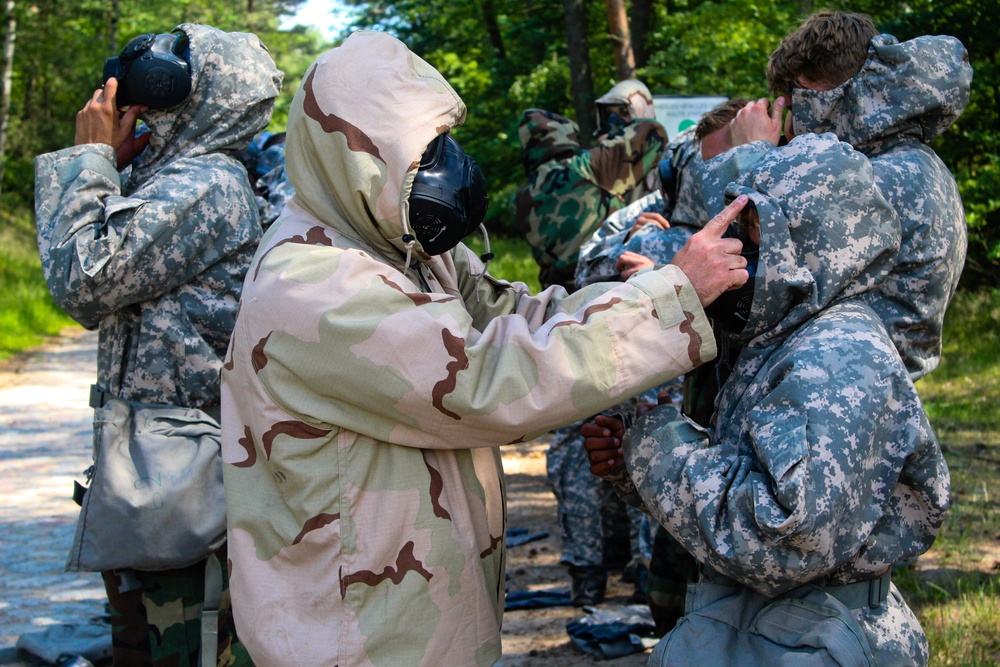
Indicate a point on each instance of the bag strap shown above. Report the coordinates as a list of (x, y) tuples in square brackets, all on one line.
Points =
[(210, 611)]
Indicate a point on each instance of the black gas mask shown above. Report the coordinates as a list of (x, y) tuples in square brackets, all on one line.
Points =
[(152, 70), (448, 200), (611, 119), (732, 309)]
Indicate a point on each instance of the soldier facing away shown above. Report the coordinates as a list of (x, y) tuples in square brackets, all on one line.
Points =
[(156, 262)]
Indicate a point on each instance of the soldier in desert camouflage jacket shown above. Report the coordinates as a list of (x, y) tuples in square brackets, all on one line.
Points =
[(156, 263), (570, 191), (821, 467), (370, 383), (904, 95)]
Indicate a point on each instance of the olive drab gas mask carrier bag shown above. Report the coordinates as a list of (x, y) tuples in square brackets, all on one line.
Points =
[(155, 500)]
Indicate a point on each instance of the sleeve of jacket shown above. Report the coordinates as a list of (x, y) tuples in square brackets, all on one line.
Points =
[(427, 370), (102, 251), (801, 492)]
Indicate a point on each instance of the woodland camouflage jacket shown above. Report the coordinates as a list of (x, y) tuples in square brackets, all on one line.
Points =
[(364, 399), (158, 262), (570, 191)]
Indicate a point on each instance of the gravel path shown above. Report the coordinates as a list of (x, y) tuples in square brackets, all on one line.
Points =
[(45, 444)]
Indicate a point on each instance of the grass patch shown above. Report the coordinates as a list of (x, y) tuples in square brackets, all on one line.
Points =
[(512, 259), (962, 395), (27, 313), (961, 619), (954, 589)]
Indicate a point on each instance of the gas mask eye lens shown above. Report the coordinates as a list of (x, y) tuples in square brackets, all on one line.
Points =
[(182, 46)]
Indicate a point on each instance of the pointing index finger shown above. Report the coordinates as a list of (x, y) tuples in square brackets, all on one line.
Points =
[(718, 225)]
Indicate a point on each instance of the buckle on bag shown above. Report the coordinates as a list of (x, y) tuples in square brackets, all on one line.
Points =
[(878, 590), (98, 397)]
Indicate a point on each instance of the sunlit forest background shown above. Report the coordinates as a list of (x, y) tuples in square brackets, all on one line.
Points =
[(502, 56)]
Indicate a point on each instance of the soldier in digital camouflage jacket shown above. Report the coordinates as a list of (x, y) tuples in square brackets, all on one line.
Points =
[(570, 191), (905, 95), (156, 262), (821, 466), (365, 395)]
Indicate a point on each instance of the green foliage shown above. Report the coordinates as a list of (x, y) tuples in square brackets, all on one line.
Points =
[(962, 395), (59, 58), (504, 56), (717, 48)]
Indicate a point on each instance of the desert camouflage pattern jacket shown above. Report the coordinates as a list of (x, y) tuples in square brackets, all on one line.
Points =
[(157, 262), (905, 95), (365, 396), (821, 465), (570, 191)]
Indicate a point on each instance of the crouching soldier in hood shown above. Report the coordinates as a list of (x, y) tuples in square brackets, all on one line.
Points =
[(820, 469)]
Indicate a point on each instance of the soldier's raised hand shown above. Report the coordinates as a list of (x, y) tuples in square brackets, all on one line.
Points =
[(712, 263)]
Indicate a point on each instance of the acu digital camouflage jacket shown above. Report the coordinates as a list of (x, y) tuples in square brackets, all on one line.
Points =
[(905, 95), (821, 465), (364, 397), (157, 262)]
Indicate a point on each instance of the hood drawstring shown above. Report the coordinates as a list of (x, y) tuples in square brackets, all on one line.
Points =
[(408, 238), (486, 257)]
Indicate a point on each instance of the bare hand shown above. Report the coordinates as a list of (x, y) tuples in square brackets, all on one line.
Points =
[(755, 122), (603, 442), (789, 124), (630, 262), (713, 264), (100, 122), (648, 218)]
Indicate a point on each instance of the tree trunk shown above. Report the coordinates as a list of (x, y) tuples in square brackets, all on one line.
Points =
[(581, 78), (10, 33), (113, 28), (493, 28), (621, 41), (640, 21), (536, 38)]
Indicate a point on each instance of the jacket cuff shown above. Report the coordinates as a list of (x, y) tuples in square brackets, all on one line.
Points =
[(676, 301)]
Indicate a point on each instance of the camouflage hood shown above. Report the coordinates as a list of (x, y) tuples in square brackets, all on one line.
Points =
[(546, 137), (635, 94), (916, 88), (352, 158), (233, 85), (827, 233)]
